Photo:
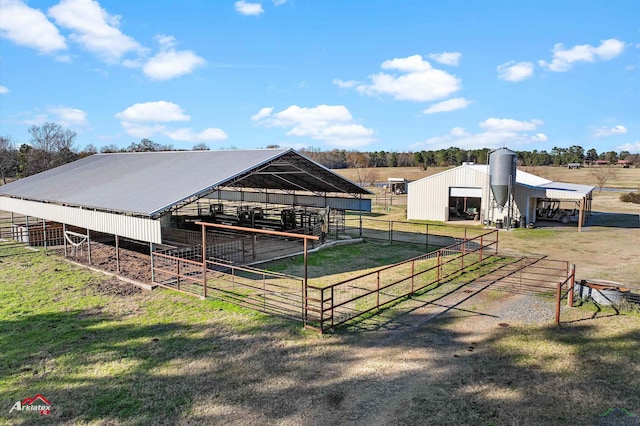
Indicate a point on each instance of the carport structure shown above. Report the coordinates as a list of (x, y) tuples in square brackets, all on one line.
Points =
[(148, 197)]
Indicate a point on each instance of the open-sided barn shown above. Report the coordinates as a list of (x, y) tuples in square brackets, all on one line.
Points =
[(464, 192), (149, 197)]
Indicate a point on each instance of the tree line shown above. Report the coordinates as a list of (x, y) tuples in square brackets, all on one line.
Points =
[(51, 145)]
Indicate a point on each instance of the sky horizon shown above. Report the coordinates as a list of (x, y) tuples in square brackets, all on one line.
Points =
[(368, 76)]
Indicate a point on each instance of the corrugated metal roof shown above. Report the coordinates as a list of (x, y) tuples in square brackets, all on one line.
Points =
[(522, 177), (552, 189), (149, 183)]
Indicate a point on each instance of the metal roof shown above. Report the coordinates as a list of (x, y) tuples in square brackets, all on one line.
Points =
[(553, 189), (150, 183)]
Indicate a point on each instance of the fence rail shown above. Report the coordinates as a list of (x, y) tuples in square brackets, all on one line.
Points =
[(429, 235), (335, 304)]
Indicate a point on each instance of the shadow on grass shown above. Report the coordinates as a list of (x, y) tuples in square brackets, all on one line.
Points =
[(94, 370), (103, 365), (614, 220)]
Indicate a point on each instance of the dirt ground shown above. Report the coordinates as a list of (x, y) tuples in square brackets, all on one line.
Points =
[(608, 248)]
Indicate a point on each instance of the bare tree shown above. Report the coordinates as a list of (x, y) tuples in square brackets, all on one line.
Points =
[(52, 146), (602, 175), (201, 147)]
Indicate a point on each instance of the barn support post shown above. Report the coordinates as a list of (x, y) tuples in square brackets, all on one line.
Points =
[(117, 253), (64, 232), (305, 262), (13, 231), (28, 233), (581, 215), (89, 244)]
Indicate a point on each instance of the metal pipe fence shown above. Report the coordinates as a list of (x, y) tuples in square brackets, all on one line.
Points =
[(433, 235), (335, 304)]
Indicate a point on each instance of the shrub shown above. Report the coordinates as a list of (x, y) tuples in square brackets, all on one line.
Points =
[(630, 197)]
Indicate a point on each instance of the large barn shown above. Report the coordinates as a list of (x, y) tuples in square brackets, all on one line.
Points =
[(155, 198), (465, 192)]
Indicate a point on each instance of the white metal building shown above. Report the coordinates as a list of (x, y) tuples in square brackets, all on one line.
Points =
[(464, 192)]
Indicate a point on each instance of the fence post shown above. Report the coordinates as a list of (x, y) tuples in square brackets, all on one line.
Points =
[(413, 273), (89, 244), (321, 310), (378, 289), (464, 245), (305, 294), (558, 299), (496, 231), (481, 247), (438, 270), (332, 306), (204, 260), (153, 271), (178, 269), (572, 281), (390, 232), (44, 233)]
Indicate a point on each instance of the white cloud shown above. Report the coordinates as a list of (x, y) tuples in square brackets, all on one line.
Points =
[(497, 133), (332, 124), (63, 115), (563, 59), (247, 8), (509, 125), (345, 84), (29, 27), (632, 147), (448, 105), (447, 58), (263, 113), (417, 81), (68, 117), (170, 64), (512, 71), (94, 29), (159, 111), (188, 135), (4, 90), (610, 131), (279, 2), (149, 119)]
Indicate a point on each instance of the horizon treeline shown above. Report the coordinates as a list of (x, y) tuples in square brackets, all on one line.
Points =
[(51, 145)]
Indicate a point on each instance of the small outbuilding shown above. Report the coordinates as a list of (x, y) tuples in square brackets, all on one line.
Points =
[(465, 193)]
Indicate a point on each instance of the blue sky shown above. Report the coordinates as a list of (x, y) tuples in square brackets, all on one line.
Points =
[(358, 75)]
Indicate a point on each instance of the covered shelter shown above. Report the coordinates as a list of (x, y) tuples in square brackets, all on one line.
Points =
[(147, 196), (464, 193)]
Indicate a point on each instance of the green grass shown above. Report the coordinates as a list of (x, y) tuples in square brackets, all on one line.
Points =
[(343, 261), (96, 354)]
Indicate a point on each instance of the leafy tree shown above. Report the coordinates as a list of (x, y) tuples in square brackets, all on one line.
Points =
[(8, 158)]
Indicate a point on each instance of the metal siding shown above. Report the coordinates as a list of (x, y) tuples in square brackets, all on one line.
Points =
[(136, 228), (428, 198)]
